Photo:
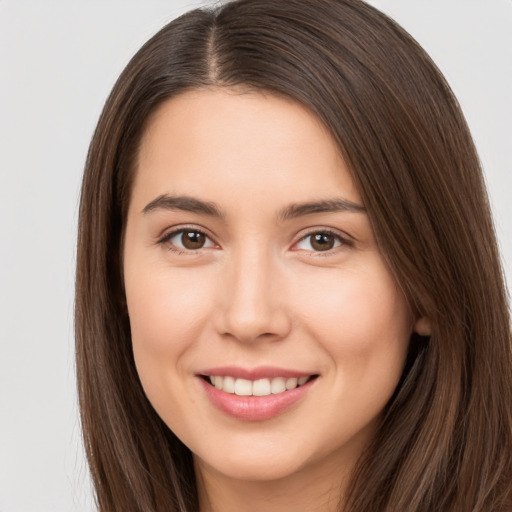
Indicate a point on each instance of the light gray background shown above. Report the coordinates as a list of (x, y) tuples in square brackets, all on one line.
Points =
[(58, 61)]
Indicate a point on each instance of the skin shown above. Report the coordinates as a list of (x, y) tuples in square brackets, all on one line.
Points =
[(259, 293)]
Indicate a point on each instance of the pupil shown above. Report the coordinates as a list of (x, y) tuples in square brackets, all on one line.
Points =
[(322, 242), (192, 239)]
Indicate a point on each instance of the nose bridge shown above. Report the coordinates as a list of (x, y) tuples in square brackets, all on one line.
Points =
[(253, 305)]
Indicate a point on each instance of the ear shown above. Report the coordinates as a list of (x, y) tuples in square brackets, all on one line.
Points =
[(422, 326)]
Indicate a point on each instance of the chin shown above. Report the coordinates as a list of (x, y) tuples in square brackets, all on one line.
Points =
[(254, 467)]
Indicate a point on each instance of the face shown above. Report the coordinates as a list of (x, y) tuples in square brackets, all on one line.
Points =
[(265, 323)]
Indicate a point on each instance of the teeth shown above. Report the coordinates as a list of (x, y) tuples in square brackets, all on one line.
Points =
[(292, 383), (260, 387), (278, 385), (243, 387), (228, 384)]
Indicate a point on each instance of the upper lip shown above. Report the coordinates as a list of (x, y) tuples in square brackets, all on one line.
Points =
[(260, 372)]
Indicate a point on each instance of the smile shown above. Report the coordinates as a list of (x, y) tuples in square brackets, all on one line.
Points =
[(259, 387), (257, 394)]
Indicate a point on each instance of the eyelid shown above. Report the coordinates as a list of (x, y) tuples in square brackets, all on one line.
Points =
[(173, 231), (344, 238)]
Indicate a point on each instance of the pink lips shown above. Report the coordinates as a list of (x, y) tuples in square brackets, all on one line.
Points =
[(254, 408), (261, 372)]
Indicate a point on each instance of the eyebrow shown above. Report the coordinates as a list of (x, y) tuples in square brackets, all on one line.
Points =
[(324, 206), (191, 204), (183, 203)]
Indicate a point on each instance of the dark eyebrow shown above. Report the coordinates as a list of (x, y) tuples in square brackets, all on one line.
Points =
[(184, 203), (326, 206), (191, 204)]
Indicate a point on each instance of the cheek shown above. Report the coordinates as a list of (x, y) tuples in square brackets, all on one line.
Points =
[(362, 321), (167, 311)]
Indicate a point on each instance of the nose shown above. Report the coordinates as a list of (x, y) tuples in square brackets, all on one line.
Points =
[(252, 299)]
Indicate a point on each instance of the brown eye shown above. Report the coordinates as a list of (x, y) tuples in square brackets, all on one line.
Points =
[(187, 239), (322, 241), (193, 239)]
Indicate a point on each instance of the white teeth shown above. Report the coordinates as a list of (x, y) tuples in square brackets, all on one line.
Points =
[(218, 382), (278, 385), (229, 385), (260, 387), (291, 383), (243, 387)]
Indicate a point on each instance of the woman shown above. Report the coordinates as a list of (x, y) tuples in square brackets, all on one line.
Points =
[(288, 289)]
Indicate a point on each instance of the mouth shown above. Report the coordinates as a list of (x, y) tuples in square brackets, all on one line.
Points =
[(256, 394), (258, 387)]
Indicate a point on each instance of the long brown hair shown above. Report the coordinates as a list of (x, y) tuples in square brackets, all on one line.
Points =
[(445, 439)]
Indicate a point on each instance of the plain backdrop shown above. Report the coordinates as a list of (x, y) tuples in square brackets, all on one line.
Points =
[(58, 61)]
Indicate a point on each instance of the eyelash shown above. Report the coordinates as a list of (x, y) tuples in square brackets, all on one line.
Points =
[(165, 240), (171, 247), (343, 241)]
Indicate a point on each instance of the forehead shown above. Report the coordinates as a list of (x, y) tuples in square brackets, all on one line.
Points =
[(208, 140)]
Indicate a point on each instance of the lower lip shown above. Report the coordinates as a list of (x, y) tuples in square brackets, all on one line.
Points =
[(255, 408)]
